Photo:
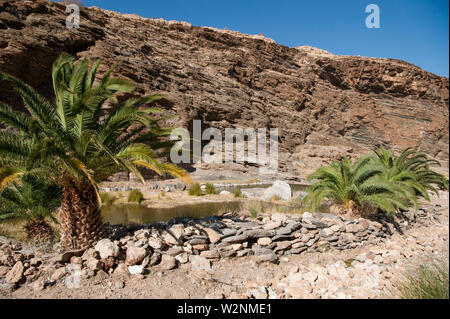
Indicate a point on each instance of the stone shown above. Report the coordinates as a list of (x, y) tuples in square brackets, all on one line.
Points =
[(156, 243), (200, 263), (89, 253), (272, 225), (235, 239), (210, 254), (134, 255), (258, 233), (261, 250), (182, 258), (107, 248), (326, 232), (213, 236), (283, 245), (3, 271), (200, 247), (121, 270), (119, 284), (136, 270), (58, 274), (76, 260), (174, 251), (156, 258), (168, 262), (225, 193), (94, 264), (264, 241), (237, 247), (15, 275), (38, 285), (278, 217), (280, 189)]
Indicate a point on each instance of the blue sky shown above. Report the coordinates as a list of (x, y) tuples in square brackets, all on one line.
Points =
[(416, 31)]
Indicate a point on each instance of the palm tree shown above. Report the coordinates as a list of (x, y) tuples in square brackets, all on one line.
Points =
[(355, 187), (412, 169), (32, 199), (76, 144)]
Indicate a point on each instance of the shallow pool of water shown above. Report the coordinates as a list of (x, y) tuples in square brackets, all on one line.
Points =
[(125, 214)]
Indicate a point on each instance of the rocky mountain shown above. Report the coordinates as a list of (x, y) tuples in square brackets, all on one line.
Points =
[(325, 106)]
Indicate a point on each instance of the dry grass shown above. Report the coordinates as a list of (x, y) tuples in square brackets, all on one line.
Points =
[(425, 280)]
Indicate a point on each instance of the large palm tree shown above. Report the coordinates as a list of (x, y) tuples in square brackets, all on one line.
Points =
[(32, 199), (76, 144), (355, 187)]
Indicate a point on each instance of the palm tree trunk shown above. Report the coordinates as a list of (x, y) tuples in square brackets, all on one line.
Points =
[(80, 217)]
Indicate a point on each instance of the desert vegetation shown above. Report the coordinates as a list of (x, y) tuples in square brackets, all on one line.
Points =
[(75, 144), (135, 196), (379, 181), (34, 200), (195, 190), (426, 280)]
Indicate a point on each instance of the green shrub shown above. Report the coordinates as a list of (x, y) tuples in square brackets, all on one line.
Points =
[(107, 198), (237, 193), (135, 196), (358, 188), (210, 189), (377, 181), (195, 190), (253, 212), (428, 280)]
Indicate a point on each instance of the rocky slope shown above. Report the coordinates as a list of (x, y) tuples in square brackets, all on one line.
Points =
[(324, 105)]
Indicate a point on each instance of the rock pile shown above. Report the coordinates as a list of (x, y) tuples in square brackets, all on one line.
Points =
[(133, 249)]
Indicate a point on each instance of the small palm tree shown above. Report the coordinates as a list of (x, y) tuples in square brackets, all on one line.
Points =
[(412, 169), (33, 199), (355, 187), (75, 143)]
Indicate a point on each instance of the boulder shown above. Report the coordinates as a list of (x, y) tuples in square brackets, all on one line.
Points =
[(134, 255), (156, 243), (15, 275), (168, 262), (58, 274), (107, 248), (136, 270), (264, 241), (213, 236), (94, 264), (280, 189)]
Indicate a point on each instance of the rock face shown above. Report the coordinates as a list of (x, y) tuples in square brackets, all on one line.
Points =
[(325, 106)]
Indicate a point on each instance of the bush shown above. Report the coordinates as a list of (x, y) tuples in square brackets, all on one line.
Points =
[(428, 280), (253, 212), (135, 196), (237, 193), (107, 198), (195, 190), (210, 189)]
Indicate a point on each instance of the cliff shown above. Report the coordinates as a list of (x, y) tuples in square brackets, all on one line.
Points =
[(325, 106)]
